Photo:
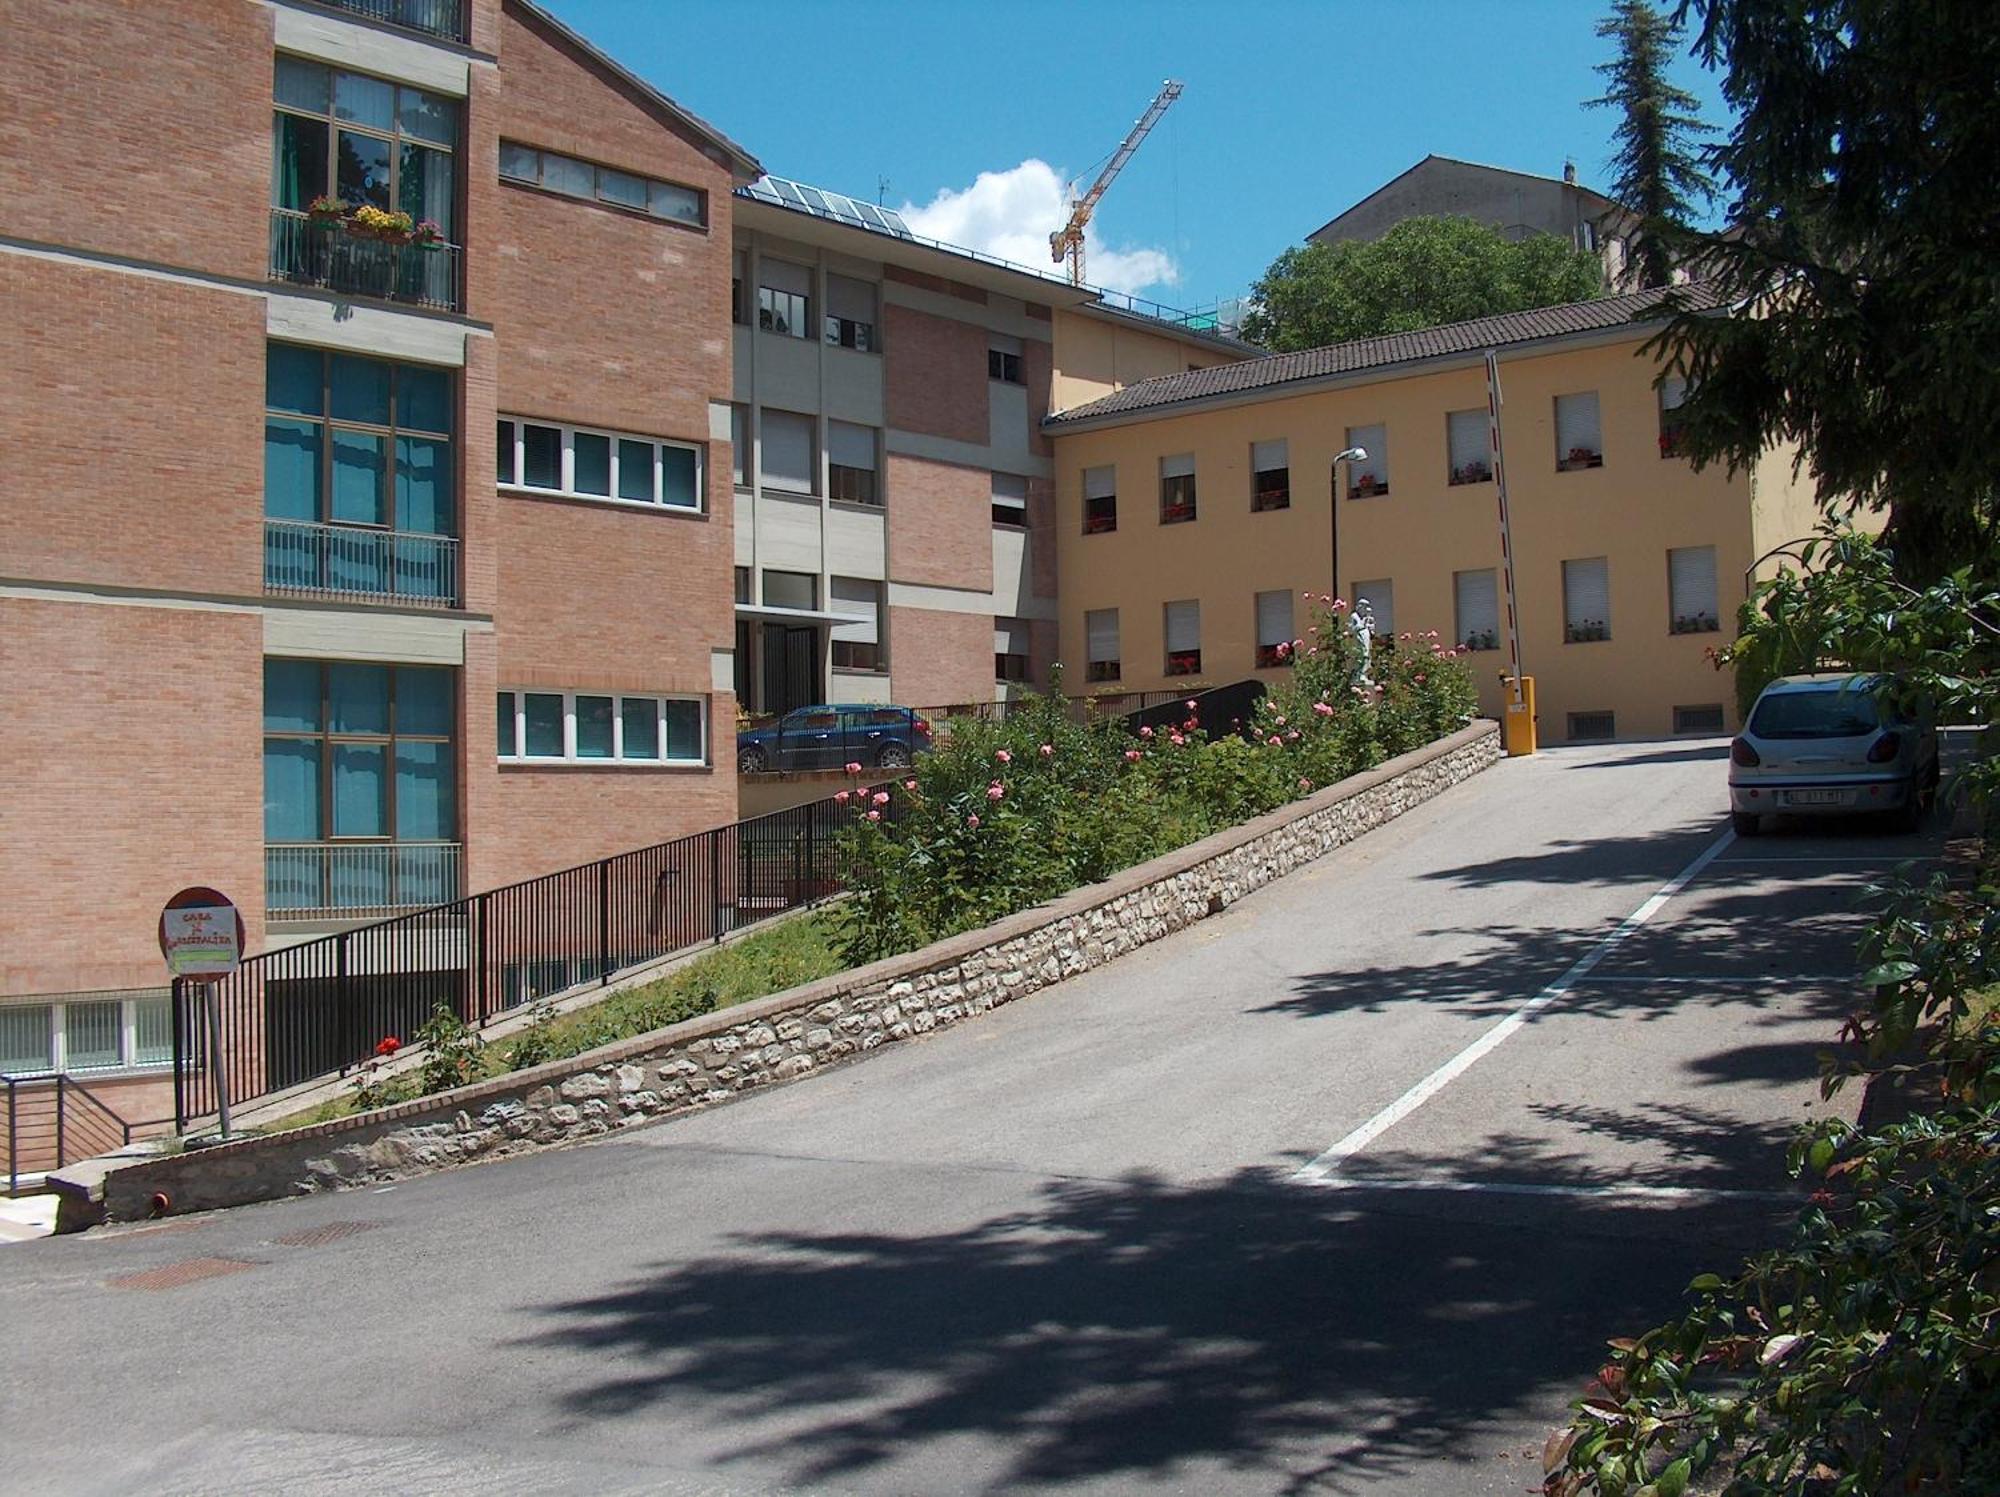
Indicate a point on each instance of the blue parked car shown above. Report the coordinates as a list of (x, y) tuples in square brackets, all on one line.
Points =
[(828, 737)]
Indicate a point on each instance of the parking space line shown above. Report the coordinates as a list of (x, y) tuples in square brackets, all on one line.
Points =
[(1610, 1190), (1323, 1167)]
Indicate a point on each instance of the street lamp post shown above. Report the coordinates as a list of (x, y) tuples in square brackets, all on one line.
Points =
[(1349, 455)]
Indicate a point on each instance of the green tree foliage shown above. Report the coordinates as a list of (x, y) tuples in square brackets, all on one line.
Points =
[(1657, 168), (1865, 242), (1423, 272)]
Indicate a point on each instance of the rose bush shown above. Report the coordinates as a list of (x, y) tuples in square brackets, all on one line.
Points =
[(1004, 815)]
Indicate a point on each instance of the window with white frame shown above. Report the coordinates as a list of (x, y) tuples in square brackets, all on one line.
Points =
[(1579, 441), (1368, 476), (1691, 590), (1476, 598), (585, 727), (1270, 475), (608, 465), (789, 461), (1010, 500), (1375, 600), (1177, 489), (1010, 649), (603, 184), (1469, 439), (1100, 499), (1100, 639), (1274, 629), (784, 298), (1183, 633), (94, 1032), (1586, 600), (850, 314), (857, 646), (1673, 395), (850, 463), (1003, 358)]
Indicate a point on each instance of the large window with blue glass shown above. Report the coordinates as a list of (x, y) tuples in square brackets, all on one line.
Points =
[(363, 141), (359, 492), (360, 786)]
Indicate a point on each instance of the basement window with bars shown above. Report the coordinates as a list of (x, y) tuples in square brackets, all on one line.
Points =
[(1270, 476), (615, 467), (1183, 634), (602, 728), (1100, 636), (87, 1032), (1592, 727), (1274, 629), (1703, 719)]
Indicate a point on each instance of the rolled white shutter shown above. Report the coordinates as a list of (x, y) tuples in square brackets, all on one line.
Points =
[(1003, 342), (782, 275), (851, 446), (1179, 466), (1100, 627), (1269, 457), (1587, 592), (788, 451), (1576, 424), (1478, 598), (1470, 439), (1380, 598), (852, 595), (1274, 618), (1691, 582), (1100, 483), (1183, 626), (1375, 440), (849, 298)]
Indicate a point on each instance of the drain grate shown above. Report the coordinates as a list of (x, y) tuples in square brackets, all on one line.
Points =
[(319, 1236), (173, 1275)]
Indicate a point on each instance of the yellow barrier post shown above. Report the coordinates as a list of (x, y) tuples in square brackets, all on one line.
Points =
[(1517, 719)]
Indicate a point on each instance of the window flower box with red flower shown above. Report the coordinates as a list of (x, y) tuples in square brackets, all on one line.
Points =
[(1472, 473), (1100, 516), (1670, 441), (1176, 514), (1580, 457), (1367, 486), (1183, 662), (1275, 493), (1274, 657)]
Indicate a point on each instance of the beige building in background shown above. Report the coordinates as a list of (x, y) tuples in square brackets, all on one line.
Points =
[(1193, 510)]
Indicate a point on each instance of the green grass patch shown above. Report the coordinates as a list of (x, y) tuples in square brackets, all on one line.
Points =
[(797, 950)]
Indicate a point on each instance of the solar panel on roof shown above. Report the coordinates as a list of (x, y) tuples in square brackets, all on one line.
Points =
[(789, 192), (844, 208), (870, 215), (812, 197), (896, 224)]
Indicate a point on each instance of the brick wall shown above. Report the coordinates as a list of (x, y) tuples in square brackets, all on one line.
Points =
[(940, 523), (133, 414), (934, 380), (132, 741), (140, 128), (940, 658)]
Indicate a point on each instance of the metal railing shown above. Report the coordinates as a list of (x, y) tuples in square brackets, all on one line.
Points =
[(309, 252), (320, 1007), (54, 1120), (341, 561), (439, 18), (358, 880)]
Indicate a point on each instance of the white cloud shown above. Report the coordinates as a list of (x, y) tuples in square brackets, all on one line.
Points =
[(1012, 213)]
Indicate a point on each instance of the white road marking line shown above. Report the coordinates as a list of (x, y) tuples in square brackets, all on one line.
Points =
[(1807, 980), (1320, 1168), (1608, 1191), (1803, 857)]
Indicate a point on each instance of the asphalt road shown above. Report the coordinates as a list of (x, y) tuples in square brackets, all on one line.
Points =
[(1337, 1192)]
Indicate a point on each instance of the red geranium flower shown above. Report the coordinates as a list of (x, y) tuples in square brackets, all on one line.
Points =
[(389, 1046)]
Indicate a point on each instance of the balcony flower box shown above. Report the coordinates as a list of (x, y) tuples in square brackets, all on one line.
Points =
[(1590, 631), (1581, 457), (1176, 514), (370, 222), (1696, 623), (328, 212), (1473, 473), (1184, 662), (1482, 639), (1367, 487), (1099, 524), (1272, 498)]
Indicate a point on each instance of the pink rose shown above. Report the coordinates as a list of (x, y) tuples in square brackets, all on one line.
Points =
[(1176, 739), (1281, 649), (909, 784), (881, 797), (1275, 741), (1304, 783), (854, 768), (1281, 719), (1404, 636), (1131, 756), (1003, 756), (1292, 736), (841, 796), (1323, 709), (1418, 678), (973, 822), (1145, 732), (1339, 605), (874, 815), (1048, 751), (1191, 705), (995, 790)]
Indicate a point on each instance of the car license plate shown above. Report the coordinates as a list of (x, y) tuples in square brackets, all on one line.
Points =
[(1815, 798)]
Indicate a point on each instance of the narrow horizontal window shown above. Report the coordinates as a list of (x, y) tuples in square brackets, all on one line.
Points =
[(586, 727), (604, 184), (611, 466)]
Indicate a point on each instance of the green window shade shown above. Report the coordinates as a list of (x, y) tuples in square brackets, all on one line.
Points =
[(293, 377), (360, 790), (298, 161), (423, 485), (684, 731), (545, 725), (291, 696), (291, 790), (424, 700), (358, 698), (593, 727), (152, 1032), (426, 798), (291, 469), (677, 478), (358, 462), (591, 457), (642, 728), (93, 1037), (635, 470)]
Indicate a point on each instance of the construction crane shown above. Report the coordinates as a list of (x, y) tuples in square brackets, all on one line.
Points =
[(1068, 240)]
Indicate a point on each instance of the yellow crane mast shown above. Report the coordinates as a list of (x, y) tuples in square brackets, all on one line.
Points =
[(1068, 240)]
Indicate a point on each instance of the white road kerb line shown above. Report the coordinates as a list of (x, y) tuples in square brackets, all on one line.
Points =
[(1320, 1168), (1609, 1190)]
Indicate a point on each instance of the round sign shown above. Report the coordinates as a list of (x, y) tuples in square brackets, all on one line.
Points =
[(201, 935)]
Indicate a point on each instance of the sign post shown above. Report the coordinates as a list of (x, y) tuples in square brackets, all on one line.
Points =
[(201, 936), (1518, 719)]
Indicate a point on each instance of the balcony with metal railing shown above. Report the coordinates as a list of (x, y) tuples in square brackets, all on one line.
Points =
[(307, 560), (327, 253), (358, 880), (444, 19)]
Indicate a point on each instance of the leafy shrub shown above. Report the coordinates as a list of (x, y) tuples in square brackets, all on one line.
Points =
[(451, 1052), (1005, 815)]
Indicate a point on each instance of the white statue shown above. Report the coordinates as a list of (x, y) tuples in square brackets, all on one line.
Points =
[(1361, 619)]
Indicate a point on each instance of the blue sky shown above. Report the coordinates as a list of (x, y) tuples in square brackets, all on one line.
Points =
[(1292, 110)]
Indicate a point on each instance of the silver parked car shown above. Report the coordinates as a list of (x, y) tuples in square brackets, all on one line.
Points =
[(1827, 745)]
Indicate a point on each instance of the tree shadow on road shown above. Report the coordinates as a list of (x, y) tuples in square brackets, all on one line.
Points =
[(1296, 1339)]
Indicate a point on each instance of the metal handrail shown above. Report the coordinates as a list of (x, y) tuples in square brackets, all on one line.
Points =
[(96, 1128), (313, 560), (444, 19), (311, 252)]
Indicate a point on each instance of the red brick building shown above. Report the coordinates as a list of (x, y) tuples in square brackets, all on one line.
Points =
[(266, 569)]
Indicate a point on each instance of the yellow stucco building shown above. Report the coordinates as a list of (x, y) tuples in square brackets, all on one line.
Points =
[(1193, 509)]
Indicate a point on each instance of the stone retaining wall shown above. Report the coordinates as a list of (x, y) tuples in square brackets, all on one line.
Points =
[(796, 1033)]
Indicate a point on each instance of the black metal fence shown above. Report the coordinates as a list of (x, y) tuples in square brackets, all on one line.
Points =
[(439, 18), (52, 1121), (323, 1006)]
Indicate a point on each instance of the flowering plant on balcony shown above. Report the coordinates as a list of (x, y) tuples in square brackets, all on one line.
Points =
[(1183, 662), (1098, 524), (328, 210), (1582, 457), (1472, 472), (1174, 514), (1696, 623), (1482, 639), (1587, 631), (371, 222), (1271, 657), (1366, 487), (428, 234)]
